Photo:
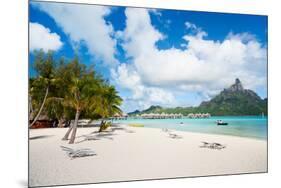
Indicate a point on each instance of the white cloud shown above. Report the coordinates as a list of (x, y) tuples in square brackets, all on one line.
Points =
[(190, 25), (85, 23), (139, 36), (134, 44), (142, 96), (204, 66), (156, 76), (156, 12), (195, 30), (41, 37)]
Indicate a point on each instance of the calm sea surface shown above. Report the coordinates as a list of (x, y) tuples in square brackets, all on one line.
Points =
[(244, 126)]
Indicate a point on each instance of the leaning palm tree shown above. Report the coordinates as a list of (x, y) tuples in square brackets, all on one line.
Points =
[(44, 65), (55, 107), (109, 104), (82, 92)]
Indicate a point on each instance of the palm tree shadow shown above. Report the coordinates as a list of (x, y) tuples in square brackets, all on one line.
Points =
[(116, 128), (130, 131), (97, 136), (106, 134)]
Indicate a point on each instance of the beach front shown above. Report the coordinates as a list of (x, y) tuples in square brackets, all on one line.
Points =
[(135, 153)]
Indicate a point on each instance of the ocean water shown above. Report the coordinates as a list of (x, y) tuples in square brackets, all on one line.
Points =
[(243, 126)]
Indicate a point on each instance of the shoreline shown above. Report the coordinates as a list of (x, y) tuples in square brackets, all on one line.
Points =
[(215, 134), (247, 127), (174, 130), (128, 153), (195, 132)]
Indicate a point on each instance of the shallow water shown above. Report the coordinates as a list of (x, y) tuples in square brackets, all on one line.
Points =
[(244, 126)]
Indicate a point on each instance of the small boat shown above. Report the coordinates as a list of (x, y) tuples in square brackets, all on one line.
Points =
[(220, 122)]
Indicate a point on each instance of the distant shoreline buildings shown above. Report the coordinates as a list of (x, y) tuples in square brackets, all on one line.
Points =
[(171, 115)]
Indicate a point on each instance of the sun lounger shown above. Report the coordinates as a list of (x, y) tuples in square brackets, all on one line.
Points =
[(172, 135), (166, 130), (213, 145), (75, 153)]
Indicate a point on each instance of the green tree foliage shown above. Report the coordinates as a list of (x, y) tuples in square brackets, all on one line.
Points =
[(74, 91), (40, 86), (108, 104)]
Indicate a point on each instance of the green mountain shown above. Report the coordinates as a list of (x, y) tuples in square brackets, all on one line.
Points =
[(234, 100)]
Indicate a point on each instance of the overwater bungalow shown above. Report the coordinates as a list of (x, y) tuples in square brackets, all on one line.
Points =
[(199, 115), (118, 116), (160, 116)]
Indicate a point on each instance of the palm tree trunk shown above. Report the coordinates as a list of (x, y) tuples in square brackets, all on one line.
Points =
[(30, 108), (41, 108), (68, 132), (60, 125), (101, 125), (72, 138)]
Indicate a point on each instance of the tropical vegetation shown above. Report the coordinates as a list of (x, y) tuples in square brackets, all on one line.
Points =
[(65, 90)]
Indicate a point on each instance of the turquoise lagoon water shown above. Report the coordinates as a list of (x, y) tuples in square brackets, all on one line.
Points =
[(244, 126)]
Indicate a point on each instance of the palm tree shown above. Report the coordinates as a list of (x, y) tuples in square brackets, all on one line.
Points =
[(109, 104), (55, 103), (55, 109), (68, 90), (82, 92), (44, 65)]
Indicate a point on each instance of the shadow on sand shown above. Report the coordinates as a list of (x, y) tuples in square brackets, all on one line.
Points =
[(108, 134)]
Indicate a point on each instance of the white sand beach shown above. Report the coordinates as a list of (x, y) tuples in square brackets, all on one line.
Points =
[(133, 153)]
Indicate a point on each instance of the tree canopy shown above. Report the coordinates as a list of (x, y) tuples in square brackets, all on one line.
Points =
[(66, 90)]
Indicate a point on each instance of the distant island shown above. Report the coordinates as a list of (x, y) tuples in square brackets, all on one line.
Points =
[(232, 101)]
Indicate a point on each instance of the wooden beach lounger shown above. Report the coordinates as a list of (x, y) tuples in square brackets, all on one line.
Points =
[(213, 145), (174, 136), (72, 153)]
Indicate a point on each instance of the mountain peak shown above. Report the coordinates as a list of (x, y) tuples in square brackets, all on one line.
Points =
[(155, 106), (237, 86), (237, 81), (232, 101)]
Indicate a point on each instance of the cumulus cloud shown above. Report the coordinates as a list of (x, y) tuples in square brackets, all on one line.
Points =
[(41, 37), (156, 12), (204, 66), (85, 23), (156, 76), (195, 30), (128, 76), (142, 96), (190, 25)]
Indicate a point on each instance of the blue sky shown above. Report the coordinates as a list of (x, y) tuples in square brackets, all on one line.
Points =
[(156, 57)]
